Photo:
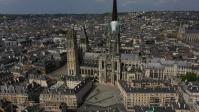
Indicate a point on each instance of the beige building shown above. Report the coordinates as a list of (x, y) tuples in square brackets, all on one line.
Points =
[(42, 80), (72, 82), (14, 94), (132, 96), (155, 71), (52, 98)]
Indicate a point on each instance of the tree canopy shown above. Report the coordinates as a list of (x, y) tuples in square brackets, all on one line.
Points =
[(190, 77)]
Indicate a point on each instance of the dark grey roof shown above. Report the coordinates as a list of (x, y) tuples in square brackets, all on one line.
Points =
[(151, 81), (74, 78), (65, 91), (94, 108), (129, 89), (12, 89), (192, 31), (89, 55), (130, 57), (60, 91), (155, 66), (156, 109), (39, 77)]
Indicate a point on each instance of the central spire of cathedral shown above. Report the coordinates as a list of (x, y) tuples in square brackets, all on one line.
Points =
[(114, 22), (114, 13)]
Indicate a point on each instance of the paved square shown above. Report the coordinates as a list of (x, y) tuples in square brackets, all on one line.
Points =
[(104, 96)]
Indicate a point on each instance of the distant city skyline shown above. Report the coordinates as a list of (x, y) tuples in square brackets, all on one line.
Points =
[(93, 6)]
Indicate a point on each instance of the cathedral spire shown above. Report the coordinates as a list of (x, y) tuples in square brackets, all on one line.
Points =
[(114, 13)]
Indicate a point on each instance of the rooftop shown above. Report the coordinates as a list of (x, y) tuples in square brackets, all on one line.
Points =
[(60, 88), (12, 89), (153, 109), (129, 57), (130, 89)]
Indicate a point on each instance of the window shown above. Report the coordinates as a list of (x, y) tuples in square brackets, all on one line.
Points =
[(102, 64), (115, 65)]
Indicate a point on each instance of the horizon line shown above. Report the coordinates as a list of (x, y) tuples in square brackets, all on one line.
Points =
[(48, 13)]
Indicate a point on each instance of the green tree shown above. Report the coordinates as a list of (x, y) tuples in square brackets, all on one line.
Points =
[(189, 76)]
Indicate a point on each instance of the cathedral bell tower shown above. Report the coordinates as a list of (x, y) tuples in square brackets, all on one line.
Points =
[(72, 53)]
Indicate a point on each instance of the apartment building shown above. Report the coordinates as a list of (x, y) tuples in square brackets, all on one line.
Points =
[(137, 96)]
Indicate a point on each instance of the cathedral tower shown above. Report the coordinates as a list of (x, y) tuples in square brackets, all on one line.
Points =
[(115, 32), (110, 63), (72, 54)]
